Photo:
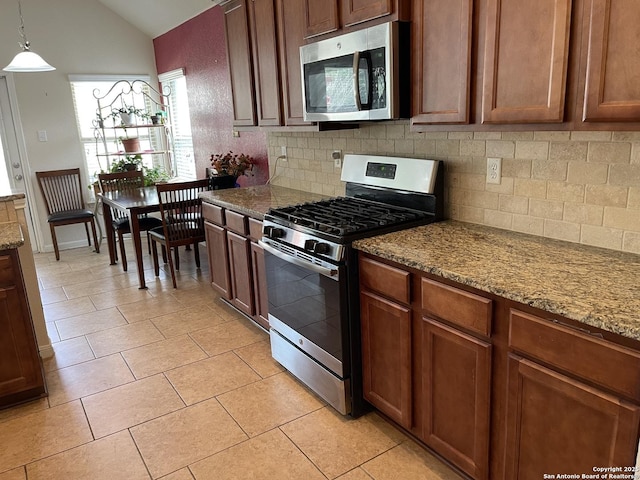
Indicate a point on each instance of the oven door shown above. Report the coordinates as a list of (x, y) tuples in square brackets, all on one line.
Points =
[(308, 321)]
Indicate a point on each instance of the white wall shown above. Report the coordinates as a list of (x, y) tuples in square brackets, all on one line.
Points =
[(76, 37)]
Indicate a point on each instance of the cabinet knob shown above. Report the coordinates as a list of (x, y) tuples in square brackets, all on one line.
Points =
[(18, 177)]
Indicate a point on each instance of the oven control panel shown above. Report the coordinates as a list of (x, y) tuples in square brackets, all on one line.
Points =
[(381, 170), (276, 233)]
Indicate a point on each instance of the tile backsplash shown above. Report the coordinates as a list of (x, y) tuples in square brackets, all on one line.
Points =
[(581, 187)]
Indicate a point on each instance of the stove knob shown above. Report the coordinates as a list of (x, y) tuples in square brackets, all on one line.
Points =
[(273, 232), (322, 248), (310, 245)]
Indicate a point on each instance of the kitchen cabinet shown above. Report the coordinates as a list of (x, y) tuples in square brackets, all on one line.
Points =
[(441, 76), (240, 273), (456, 375), (386, 340), (498, 389), (611, 69), (262, 19), (405, 344), (236, 261), (263, 41), (21, 376), (333, 16), (236, 25), (526, 61), (568, 381)]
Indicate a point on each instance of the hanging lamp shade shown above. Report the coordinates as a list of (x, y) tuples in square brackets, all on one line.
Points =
[(26, 60)]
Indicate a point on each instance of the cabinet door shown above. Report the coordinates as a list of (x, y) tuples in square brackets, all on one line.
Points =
[(386, 357), (557, 424), (321, 16), (20, 368), (291, 33), (526, 59), (357, 11), (456, 383), (441, 76), (262, 17), (218, 258), (240, 273), (259, 285), (612, 90), (239, 57)]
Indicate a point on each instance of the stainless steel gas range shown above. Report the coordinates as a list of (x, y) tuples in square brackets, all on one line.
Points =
[(312, 270)]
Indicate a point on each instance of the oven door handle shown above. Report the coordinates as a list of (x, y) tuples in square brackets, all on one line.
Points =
[(327, 272)]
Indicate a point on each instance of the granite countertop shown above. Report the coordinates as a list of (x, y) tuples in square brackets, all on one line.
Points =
[(10, 236), (594, 286), (256, 201)]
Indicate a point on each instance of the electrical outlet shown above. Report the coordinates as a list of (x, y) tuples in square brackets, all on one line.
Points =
[(494, 170), (337, 158), (283, 153)]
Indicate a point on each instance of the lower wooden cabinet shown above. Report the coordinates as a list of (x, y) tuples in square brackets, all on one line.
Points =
[(21, 376), (240, 273), (556, 424), (500, 390), (236, 261), (456, 382), (216, 238), (386, 356)]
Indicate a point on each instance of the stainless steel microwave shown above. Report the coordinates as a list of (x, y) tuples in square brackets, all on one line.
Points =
[(357, 76)]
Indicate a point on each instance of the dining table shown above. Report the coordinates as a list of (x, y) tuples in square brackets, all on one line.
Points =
[(133, 203)]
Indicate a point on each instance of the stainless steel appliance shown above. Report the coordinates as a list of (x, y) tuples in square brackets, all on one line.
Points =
[(312, 272), (358, 75)]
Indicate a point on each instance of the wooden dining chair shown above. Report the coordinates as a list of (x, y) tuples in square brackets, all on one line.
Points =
[(126, 181), (62, 193), (182, 222)]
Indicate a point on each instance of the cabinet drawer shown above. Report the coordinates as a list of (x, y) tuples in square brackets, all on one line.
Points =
[(387, 280), (236, 222), (213, 213), (255, 229), (604, 363), (459, 307)]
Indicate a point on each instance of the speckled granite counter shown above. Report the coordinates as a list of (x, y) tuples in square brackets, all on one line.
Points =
[(256, 201), (10, 236), (594, 286)]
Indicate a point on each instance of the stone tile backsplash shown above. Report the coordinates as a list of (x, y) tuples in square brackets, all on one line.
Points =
[(581, 187)]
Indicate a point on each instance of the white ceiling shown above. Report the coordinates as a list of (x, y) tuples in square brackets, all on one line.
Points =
[(155, 17)]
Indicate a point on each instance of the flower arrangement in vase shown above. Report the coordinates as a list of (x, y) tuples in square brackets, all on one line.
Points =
[(231, 164)]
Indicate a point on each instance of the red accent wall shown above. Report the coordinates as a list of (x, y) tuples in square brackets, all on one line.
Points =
[(199, 47)]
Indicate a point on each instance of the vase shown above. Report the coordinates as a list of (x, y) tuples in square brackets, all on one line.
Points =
[(220, 182), (131, 145)]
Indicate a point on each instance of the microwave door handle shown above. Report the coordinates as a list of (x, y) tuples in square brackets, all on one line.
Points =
[(356, 79)]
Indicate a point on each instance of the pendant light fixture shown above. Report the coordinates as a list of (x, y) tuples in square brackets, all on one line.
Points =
[(26, 60)]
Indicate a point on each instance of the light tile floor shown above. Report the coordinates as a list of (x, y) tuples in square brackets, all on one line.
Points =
[(175, 384)]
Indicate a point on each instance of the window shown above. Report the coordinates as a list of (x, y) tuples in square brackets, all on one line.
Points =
[(176, 82)]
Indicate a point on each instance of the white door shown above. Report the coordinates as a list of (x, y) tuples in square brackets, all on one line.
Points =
[(13, 170)]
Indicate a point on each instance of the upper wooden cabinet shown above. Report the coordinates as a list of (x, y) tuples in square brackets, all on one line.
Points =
[(328, 16), (263, 44), (262, 19), (240, 68), (612, 87), (441, 76), (526, 59), (320, 17)]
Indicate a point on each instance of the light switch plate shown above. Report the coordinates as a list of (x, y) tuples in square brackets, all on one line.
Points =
[(42, 136)]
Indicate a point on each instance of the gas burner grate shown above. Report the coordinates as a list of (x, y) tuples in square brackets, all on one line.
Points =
[(344, 215)]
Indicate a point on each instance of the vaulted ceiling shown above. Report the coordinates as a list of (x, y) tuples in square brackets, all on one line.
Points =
[(155, 17)]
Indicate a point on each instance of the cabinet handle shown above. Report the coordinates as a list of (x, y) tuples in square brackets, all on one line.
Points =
[(579, 329)]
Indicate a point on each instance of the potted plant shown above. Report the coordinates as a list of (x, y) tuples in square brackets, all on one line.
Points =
[(227, 167), (126, 114)]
